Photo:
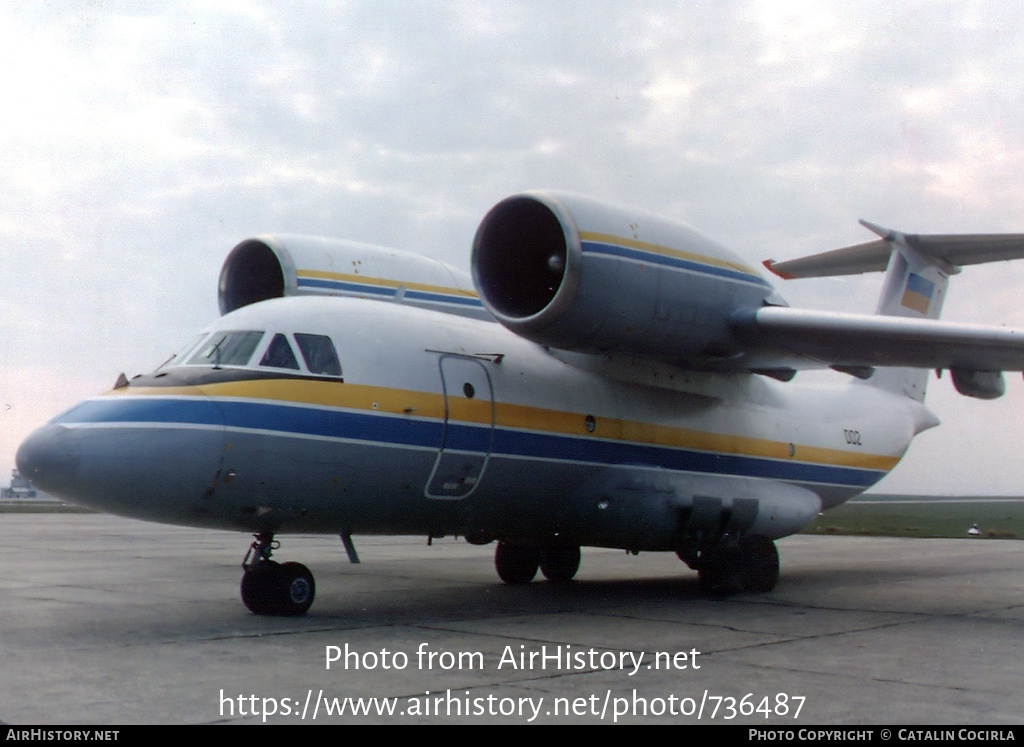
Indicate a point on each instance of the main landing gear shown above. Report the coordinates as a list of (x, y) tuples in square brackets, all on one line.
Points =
[(731, 566), (750, 564), (517, 563), (272, 588)]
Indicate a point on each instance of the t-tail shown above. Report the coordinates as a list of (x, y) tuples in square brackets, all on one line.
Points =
[(915, 286), (917, 271)]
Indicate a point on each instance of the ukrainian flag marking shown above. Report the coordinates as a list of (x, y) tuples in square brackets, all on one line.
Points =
[(917, 294)]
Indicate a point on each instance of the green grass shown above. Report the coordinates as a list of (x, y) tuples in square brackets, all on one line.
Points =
[(41, 507), (922, 516)]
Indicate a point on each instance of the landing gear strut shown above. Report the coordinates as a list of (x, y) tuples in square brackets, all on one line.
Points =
[(271, 588), (751, 564)]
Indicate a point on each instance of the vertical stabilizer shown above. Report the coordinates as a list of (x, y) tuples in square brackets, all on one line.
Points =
[(915, 286)]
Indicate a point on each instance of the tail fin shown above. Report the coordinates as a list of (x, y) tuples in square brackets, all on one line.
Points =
[(915, 286)]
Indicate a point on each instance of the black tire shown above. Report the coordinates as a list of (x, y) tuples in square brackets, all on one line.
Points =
[(515, 563), (272, 589), (259, 585), (719, 581), (559, 564), (719, 573), (759, 559)]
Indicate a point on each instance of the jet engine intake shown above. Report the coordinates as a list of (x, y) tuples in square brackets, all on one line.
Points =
[(266, 267), (254, 271), (576, 274)]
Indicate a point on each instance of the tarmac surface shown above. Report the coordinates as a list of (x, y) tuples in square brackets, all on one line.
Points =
[(110, 621)]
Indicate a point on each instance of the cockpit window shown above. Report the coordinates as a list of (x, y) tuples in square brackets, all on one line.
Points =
[(319, 353), (227, 349), (279, 354)]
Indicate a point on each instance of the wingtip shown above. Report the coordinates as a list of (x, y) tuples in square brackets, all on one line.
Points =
[(885, 233)]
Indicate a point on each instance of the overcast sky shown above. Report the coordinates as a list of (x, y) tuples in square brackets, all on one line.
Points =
[(141, 141)]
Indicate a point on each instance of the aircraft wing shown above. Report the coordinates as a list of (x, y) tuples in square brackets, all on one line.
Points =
[(842, 340)]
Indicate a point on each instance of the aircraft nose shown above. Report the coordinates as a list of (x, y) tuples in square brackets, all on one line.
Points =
[(49, 459), (150, 458)]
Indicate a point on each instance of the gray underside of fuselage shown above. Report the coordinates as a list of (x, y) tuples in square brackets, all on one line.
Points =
[(258, 481)]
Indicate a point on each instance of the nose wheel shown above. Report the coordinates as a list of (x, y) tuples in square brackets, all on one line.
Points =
[(272, 588)]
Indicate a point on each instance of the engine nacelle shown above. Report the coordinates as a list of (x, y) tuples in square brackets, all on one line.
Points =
[(980, 384), (274, 266), (575, 274)]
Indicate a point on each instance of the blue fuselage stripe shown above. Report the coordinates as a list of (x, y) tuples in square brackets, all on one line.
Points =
[(395, 430), (263, 416)]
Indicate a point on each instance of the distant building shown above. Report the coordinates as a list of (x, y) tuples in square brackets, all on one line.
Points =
[(22, 490)]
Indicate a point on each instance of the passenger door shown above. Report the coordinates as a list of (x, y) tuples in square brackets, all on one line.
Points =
[(468, 428)]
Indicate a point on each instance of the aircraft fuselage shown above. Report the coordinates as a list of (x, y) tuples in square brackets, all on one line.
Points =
[(440, 425)]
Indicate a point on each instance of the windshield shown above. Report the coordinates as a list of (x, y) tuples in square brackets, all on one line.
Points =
[(227, 349), (301, 352)]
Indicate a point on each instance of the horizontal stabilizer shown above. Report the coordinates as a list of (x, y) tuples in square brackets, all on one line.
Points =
[(954, 250)]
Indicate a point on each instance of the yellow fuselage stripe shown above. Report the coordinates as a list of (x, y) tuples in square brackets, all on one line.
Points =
[(607, 238), (383, 282), (507, 415)]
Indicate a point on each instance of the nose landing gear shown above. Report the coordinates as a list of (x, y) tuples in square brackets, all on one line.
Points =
[(272, 588)]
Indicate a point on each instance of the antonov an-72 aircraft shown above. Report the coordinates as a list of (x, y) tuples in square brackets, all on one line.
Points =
[(615, 380)]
